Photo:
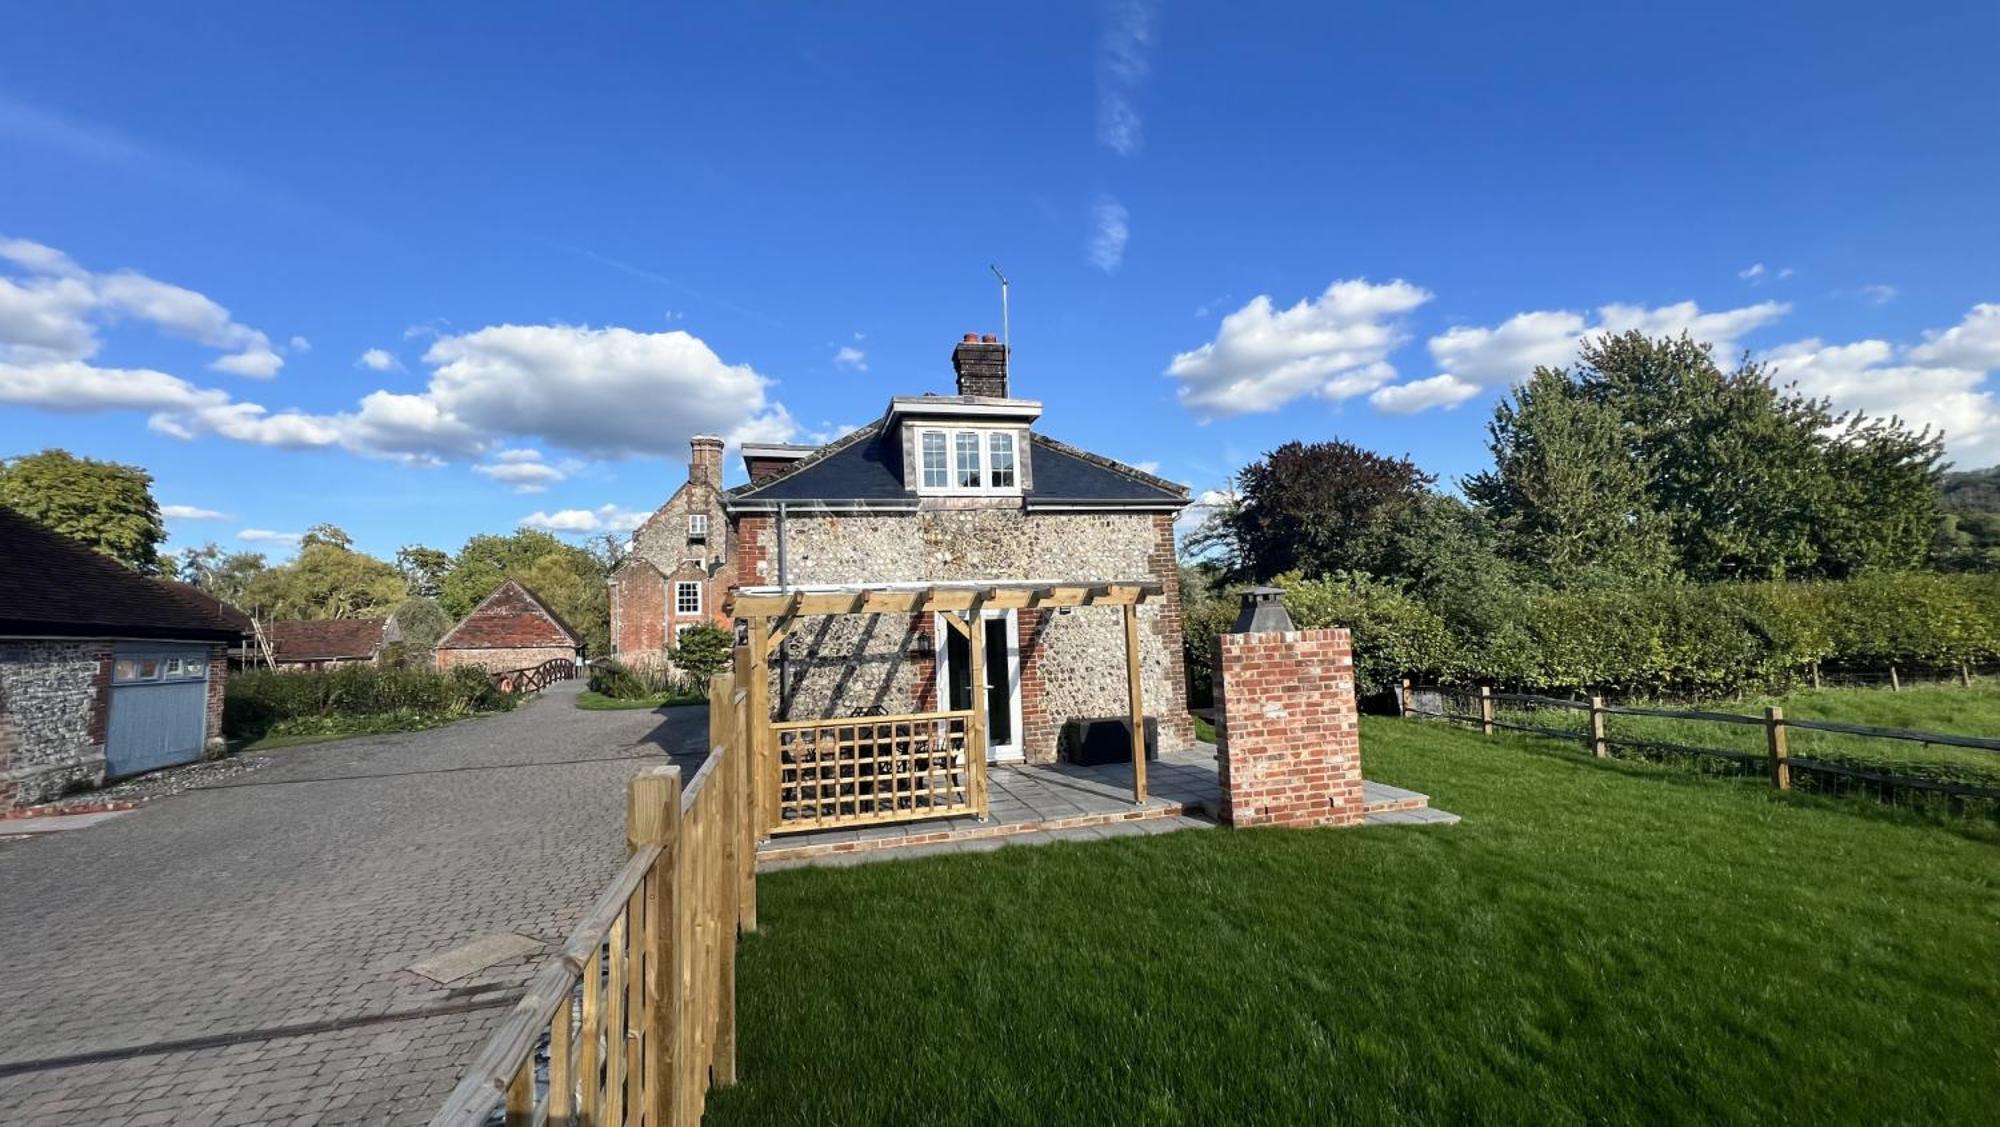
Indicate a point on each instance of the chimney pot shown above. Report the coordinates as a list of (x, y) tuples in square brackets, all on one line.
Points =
[(972, 336), (989, 338)]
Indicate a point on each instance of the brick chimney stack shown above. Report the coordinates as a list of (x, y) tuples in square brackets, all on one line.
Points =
[(705, 459), (981, 364)]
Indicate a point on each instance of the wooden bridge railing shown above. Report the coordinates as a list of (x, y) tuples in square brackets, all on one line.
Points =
[(637, 1013), (535, 678)]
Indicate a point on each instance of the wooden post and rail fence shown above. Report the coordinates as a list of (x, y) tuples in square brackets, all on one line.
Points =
[(637, 1013), (1777, 759), (534, 678)]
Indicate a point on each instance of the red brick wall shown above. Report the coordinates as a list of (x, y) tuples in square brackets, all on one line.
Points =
[(1290, 745), (1038, 729), (218, 687), (755, 551), (639, 606)]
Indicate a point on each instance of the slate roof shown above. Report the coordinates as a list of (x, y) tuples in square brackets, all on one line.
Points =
[(868, 466), (328, 640), (53, 587)]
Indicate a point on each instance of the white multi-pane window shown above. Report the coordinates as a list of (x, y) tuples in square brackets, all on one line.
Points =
[(936, 474), (1000, 460), (697, 528), (687, 598), (969, 461)]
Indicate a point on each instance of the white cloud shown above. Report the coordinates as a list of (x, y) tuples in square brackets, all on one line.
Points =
[(1122, 63), (604, 518), (1751, 272), (1110, 230), (1510, 351), (1878, 294), (266, 536), (1335, 346), (525, 470), (1972, 343), (603, 392), (851, 359), (1941, 383), (379, 360), (301, 344), (191, 512), (1148, 466), (1446, 391), (1205, 503), (56, 311)]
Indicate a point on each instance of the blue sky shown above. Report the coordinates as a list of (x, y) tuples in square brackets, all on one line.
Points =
[(430, 270)]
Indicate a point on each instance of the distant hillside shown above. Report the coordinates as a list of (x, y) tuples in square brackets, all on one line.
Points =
[(1973, 491)]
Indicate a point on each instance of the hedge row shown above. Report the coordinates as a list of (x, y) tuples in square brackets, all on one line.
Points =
[(1672, 640), (258, 701)]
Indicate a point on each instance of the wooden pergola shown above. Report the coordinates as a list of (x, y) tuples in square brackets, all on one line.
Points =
[(770, 613)]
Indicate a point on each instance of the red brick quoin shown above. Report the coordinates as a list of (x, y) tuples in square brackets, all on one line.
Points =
[(1289, 748)]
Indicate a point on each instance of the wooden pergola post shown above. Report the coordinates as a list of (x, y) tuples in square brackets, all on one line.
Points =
[(1137, 702), (975, 731)]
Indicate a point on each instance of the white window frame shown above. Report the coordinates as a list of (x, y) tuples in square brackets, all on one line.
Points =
[(984, 436), (683, 585), (697, 528)]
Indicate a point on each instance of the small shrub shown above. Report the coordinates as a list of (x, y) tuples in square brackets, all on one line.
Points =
[(642, 680)]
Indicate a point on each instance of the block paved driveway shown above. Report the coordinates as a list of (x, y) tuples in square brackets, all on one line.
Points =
[(236, 955)]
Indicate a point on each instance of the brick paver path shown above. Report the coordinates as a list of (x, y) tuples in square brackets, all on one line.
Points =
[(294, 896)]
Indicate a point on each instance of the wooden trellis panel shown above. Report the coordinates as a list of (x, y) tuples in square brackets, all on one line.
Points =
[(858, 771)]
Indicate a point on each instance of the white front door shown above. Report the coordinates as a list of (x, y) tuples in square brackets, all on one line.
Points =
[(1000, 630)]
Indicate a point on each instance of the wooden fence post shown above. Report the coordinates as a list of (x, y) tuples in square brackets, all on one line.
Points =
[(1774, 734), (1815, 674), (1403, 699), (1599, 746), (1485, 710), (1895, 683), (1964, 675)]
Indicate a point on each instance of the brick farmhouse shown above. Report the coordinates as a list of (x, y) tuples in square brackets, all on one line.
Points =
[(103, 672), (510, 629), (940, 489)]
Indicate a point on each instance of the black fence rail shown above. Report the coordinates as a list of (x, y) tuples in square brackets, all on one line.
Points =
[(1826, 755)]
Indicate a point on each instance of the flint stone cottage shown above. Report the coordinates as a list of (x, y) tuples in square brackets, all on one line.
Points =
[(103, 672), (940, 490), (510, 629)]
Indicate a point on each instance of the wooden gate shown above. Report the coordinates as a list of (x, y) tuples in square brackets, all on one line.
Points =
[(859, 771)]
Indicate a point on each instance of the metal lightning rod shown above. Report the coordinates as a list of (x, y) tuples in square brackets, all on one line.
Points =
[(1006, 339)]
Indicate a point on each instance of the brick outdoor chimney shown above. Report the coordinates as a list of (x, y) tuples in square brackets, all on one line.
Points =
[(705, 459), (981, 364)]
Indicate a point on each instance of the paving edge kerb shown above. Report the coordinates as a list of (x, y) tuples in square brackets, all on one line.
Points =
[(998, 829)]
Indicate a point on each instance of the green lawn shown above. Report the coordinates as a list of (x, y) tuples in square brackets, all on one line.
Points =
[(592, 701), (1598, 941)]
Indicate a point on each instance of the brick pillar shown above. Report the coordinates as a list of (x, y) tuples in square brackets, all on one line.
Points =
[(1289, 746)]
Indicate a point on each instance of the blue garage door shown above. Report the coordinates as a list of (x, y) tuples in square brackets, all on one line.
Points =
[(159, 707)]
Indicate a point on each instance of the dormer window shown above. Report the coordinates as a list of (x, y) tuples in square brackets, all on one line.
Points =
[(969, 460), (697, 528)]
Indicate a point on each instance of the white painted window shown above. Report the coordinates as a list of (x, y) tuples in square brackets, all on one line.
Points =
[(697, 528), (1000, 459), (936, 476), (969, 461), (687, 598)]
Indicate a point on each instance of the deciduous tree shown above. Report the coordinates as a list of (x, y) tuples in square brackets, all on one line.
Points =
[(105, 505)]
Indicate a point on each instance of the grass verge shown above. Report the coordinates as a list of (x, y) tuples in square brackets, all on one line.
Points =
[(1599, 940), (592, 701)]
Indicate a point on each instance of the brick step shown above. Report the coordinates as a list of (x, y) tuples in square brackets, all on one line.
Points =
[(779, 850)]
